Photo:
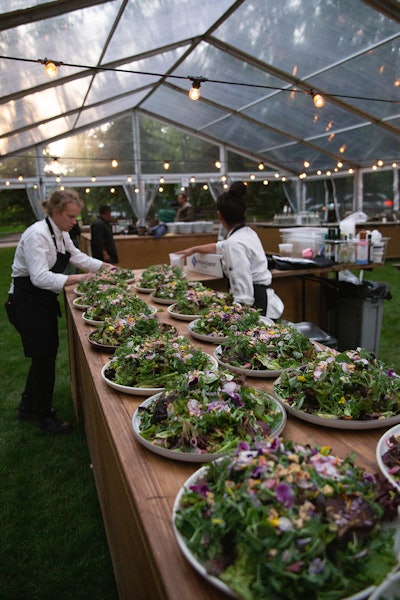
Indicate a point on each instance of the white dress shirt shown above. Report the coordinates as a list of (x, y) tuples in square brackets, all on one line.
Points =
[(244, 263), (36, 255)]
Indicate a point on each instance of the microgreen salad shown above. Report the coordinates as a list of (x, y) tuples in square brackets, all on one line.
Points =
[(116, 331), (116, 302), (279, 520), (158, 274), (220, 321), (208, 412), (345, 385), (199, 302), (114, 277), (172, 290), (149, 362), (266, 347)]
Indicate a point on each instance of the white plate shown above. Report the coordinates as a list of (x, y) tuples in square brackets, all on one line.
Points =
[(137, 390), (388, 589), (98, 346), (161, 300), (186, 456), (75, 302), (78, 292), (197, 475), (180, 316), (339, 423), (144, 290), (382, 447), (129, 390), (242, 370), (91, 321), (213, 339)]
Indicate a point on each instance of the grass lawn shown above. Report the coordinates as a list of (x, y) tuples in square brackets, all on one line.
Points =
[(53, 544)]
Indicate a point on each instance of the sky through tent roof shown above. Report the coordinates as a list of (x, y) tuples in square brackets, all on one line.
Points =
[(261, 58)]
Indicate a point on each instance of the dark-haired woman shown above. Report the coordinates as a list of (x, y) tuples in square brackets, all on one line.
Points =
[(243, 258), (42, 255)]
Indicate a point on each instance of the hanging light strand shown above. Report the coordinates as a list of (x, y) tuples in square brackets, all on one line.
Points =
[(201, 79)]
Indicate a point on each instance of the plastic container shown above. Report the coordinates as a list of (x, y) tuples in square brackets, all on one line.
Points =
[(378, 251), (185, 227), (303, 238), (176, 260), (286, 249)]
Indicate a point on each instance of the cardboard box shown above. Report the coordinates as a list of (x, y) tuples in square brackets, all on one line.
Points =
[(209, 264)]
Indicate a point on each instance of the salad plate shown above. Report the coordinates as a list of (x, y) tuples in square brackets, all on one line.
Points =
[(137, 391), (316, 419), (98, 346), (77, 303), (216, 339), (243, 370), (203, 520), (78, 292), (128, 364), (161, 300), (213, 339), (180, 316), (205, 424), (143, 290), (91, 321), (343, 390), (388, 455)]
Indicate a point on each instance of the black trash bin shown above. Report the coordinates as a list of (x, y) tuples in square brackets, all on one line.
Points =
[(358, 314)]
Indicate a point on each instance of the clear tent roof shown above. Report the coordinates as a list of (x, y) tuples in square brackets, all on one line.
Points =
[(262, 60)]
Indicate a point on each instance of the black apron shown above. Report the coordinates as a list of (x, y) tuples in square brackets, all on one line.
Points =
[(36, 310), (259, 289)]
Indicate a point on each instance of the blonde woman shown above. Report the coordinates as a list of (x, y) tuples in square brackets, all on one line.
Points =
[(41, 258)]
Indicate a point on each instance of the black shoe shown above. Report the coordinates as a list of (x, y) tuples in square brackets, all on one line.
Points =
[(52, 424)]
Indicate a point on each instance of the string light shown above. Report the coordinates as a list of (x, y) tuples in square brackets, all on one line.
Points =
[(194, 92), (318, 99), (50, 66), (166, 165), (114, 163)]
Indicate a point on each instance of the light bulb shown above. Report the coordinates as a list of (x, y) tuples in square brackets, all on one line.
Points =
[(194, 92), (166, 165), (51, 68), (319, 101)]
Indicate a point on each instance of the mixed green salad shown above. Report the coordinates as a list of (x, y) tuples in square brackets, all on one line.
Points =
[(118, 330), (158, 274), (200, 301), (220, 321), (116, 302), (347, 385), (207, 412), (151, 363), (266, 347), (283, 521)]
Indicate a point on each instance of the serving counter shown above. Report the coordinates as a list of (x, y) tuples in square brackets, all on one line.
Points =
[(137, 488)]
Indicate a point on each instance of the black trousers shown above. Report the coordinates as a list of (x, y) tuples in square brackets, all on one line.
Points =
[(36, 320)]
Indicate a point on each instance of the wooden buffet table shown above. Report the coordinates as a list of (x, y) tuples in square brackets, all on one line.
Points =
[(137, 488)]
